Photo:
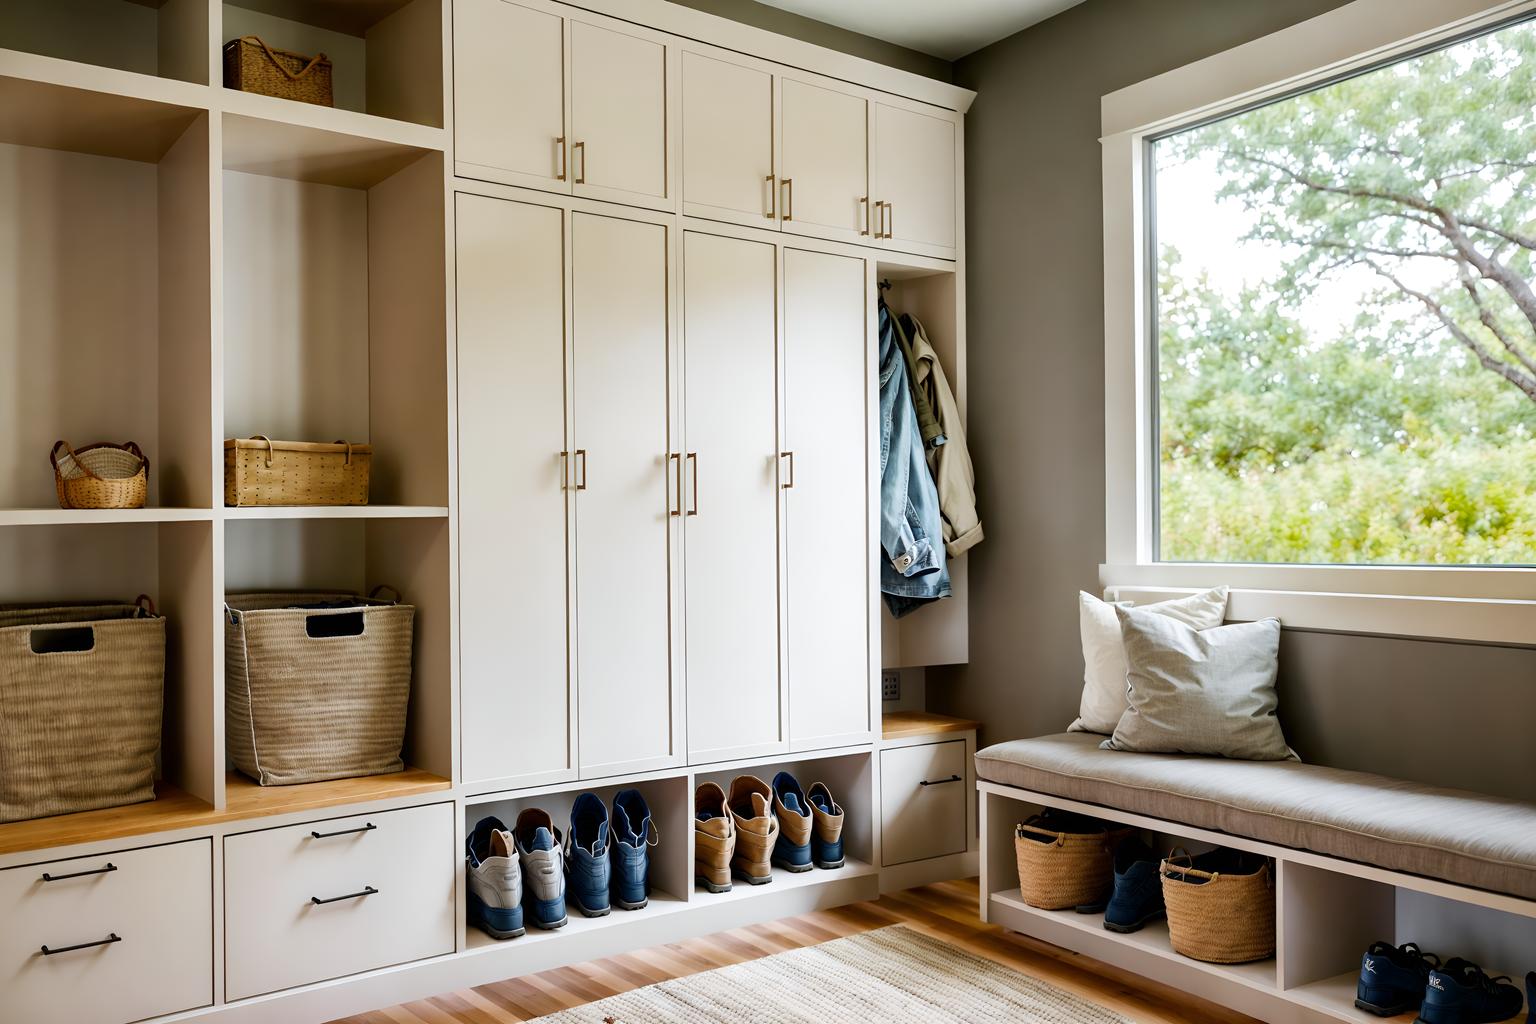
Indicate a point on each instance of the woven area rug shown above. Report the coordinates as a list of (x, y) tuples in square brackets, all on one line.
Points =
[(891, 976)]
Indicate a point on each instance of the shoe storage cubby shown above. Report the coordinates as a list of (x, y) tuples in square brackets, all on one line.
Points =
[(165, 38), (671, 863), (1333, 918), (386, 56)]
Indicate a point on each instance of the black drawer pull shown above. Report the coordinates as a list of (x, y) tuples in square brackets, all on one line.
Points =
[(940, 782), (345, 832), (111, 938), (78, 874), (368, 890)]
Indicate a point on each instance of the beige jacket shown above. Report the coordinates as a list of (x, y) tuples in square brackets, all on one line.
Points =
[(950, 461)]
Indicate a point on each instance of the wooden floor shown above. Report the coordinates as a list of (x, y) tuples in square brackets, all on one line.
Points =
[(947, 911)]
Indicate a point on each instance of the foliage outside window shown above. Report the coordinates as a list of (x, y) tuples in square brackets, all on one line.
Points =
[(1346, 319)]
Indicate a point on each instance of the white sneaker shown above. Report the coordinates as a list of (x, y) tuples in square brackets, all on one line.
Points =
[(495, 881)]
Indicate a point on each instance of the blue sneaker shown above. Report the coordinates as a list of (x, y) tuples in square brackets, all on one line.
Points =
[(633, 833), (792, 851), (827, 837), (1138, 893), (543, 865), (1460, 993), (586, 864), (1393, 980), (495, 880)]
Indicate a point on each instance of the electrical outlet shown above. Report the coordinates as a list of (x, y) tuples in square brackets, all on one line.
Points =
[(890, 684)]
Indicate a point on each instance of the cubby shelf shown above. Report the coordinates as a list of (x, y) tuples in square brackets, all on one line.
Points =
[(337, 512), (578, 926), (84, 516), (784, 880)]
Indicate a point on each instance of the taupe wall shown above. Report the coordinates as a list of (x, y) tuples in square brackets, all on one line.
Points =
[(1424, 711), (772, 19)]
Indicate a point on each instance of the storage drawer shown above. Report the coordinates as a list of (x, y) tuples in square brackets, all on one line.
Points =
[(158, 904), (922, 801), (331, 898)]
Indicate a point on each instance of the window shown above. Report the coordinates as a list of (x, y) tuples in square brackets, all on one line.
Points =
[(1343, 296)]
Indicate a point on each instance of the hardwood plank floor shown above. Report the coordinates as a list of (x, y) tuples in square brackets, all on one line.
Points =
[(947, 911)]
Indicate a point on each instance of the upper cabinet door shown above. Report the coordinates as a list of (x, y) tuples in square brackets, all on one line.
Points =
[(509, 94), (629, 716), (728, 166), (618, 116), (513, 657), (824, 161), (916, 157), (827, 387)]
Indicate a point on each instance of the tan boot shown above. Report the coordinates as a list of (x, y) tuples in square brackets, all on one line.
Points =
[(793, 850), (751, 806), (827, 834), (714, 838)]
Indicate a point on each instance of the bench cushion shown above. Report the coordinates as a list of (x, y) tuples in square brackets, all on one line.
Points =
[(1456, 836)]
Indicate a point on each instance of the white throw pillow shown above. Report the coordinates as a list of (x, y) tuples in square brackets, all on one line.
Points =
[(1104, 668)]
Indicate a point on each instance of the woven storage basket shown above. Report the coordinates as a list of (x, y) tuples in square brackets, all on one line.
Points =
[(100, 475), (250, 65), (80, 703), (316, 685), (1062, 864), (260, 471), (1221, 906)]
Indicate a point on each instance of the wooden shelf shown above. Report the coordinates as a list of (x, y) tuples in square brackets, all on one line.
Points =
[(170, 810), (338, 512), (86, 516), (899, 724), (304, 142), (245, 799)]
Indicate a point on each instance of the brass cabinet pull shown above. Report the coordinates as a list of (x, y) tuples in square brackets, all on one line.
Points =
[(864, 202), (581, 453), (791, 457), (772, 212), (560, 157), (565, 471), (679, 510), (890, 220), (879, 218), (693, 457), (789, 203), (581, 168)]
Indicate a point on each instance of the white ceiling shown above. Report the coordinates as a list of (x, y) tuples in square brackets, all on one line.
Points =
[(943, 28)]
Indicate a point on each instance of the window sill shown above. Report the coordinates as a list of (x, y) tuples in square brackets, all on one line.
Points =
[(1471, 605)]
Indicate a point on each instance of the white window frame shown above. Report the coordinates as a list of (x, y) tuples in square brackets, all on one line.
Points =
[(1489, 605)]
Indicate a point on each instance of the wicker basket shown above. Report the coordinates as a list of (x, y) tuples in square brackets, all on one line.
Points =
[(316, 685), (1062, 864), (260, 471), (1221, 906), (100, 475), (250, 65), (80, 704)]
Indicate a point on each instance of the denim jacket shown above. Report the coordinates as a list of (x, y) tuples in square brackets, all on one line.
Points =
[(911, 531)]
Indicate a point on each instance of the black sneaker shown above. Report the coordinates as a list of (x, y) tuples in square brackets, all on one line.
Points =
[(1392, 980), (1460, 993)]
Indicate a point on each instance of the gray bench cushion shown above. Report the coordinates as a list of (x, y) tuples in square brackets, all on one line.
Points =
[(1479, 841)]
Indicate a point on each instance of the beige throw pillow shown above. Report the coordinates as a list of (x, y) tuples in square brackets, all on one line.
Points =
[(1103, 700), (1200, 691)]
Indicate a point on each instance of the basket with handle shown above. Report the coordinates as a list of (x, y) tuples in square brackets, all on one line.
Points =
[(81, 688), (316, 684), (1062, 863), (250, 65), (1221, 906), (100, 475), (261, 471)]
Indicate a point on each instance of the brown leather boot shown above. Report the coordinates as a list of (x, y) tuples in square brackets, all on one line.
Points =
[(827, 832), (714, 838), (751, 806)]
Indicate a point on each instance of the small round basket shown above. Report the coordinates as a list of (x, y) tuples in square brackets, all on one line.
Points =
[(100, 475), (1060, 869), (1221, 916)]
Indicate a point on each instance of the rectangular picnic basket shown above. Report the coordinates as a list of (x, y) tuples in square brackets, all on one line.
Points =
[(260, 471)]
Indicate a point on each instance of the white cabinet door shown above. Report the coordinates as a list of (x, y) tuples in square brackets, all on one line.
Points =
[(509, 94), (731, 532), (512, 508), (626, 700), (915, 179), (824, 160), (618, 115), (728, 166), (826, 386)]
